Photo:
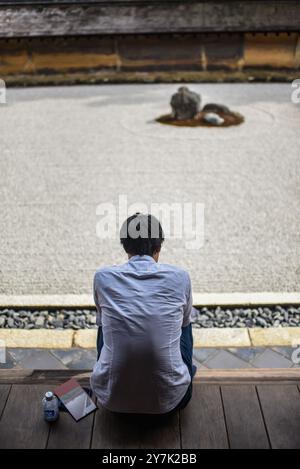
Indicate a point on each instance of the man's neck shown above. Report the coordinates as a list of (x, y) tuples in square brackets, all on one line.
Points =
[(155, 256)]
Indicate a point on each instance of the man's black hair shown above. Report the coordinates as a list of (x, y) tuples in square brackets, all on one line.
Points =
[(141, 235)]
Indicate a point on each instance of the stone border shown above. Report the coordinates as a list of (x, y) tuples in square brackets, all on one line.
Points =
[(37, 338), (214, 337), (200, 299)]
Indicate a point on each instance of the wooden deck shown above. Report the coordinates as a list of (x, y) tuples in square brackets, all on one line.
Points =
[(230, 409)]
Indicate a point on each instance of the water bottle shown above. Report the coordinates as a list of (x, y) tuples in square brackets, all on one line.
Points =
[(50, 407)]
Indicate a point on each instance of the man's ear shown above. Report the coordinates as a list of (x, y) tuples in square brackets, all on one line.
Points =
[(156, 254)]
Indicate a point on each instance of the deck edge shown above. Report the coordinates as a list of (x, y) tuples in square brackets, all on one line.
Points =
[(247, 375)]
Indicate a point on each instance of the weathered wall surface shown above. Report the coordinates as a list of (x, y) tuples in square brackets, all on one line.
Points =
[(138, 40), (225, 57)]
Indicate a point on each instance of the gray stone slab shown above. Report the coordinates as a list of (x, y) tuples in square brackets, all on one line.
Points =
[(271, 359), (36, 359), (9, 362), (247, 354), (79, 359), (64, 150), (224, 360), (199, 365), (285, 351), (202, 354)]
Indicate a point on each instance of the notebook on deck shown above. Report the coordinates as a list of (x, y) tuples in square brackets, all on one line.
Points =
[(75, 399)]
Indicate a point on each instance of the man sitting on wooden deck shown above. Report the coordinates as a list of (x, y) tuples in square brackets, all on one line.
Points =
[(145, 342)]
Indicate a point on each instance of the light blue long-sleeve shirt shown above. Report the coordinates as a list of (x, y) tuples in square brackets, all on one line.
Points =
[(142, 306)]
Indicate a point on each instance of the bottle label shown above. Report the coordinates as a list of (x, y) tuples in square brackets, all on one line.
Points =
[(49, 413)]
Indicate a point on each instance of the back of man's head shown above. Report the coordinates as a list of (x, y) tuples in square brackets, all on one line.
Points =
[(141, 235)]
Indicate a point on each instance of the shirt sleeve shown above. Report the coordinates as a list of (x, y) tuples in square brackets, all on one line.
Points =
[(189, 303), (96, 300)]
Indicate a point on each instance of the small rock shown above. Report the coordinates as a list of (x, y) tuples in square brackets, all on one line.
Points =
[(236, 312), (58, 323), (39, 322), (91, 319), (286, 316), (10, 322), (261, 322), (203, 317), (29, 326), (267, 312), (293, 322), (44, 313), (2, 321), (228, 314), (213, 118), (216, 108), (24, 314)]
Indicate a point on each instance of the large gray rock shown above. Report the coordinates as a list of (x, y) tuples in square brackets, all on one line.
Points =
[(185, 104)]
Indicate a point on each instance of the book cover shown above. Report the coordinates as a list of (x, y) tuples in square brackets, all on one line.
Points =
[(75, 399)]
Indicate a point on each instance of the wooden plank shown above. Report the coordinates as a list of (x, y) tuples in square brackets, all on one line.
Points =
[(121, 431), (202, 421), (22, 424), (131, 17), (159, 431), (115, 431), (244, 421), (50, 377), (66, 433), (281, 408), (4, 392), (250, 375)]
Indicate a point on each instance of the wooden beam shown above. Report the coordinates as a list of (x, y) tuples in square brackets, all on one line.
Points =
[(139, 16), (249, 375)]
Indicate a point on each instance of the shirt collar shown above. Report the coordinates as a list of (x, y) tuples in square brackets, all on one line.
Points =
[(141, 258)]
